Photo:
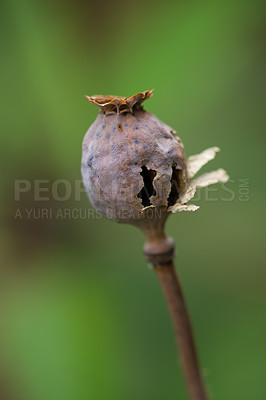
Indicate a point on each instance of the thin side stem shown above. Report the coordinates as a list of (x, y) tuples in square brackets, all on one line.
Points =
[(171, 287)]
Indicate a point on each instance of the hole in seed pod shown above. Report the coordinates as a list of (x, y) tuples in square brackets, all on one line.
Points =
[(176, 186), (148, 190)]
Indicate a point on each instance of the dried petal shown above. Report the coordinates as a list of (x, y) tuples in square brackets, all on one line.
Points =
[(203, 180), (210, 178), (182, 207), (196, 162), (188, 194)]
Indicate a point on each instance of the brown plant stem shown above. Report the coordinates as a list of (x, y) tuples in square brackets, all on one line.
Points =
[(171, 287)]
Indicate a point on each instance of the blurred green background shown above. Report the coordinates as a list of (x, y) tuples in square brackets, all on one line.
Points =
[(81, 315)]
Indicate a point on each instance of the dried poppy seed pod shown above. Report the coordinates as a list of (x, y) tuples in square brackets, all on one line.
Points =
[(134, 168), (133, 164)]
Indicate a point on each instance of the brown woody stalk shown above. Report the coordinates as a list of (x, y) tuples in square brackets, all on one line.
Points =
[(164, 267)]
